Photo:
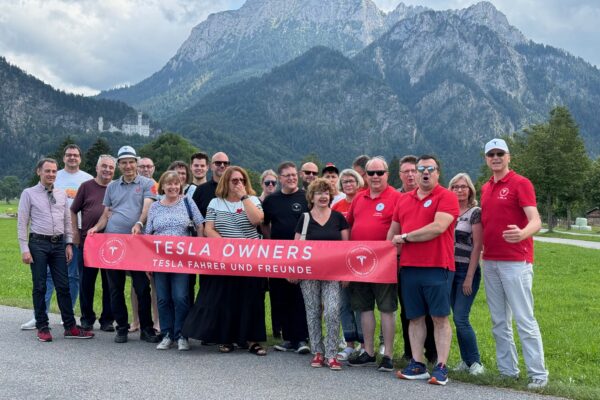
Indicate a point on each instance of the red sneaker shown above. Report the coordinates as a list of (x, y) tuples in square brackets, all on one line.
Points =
[(333, 364), (317, 361), (44, 335), (77, 332)]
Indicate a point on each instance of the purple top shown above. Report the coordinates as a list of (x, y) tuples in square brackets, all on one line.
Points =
[(43, 216)]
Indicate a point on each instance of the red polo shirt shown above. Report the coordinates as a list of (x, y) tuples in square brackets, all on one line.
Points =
[(413, 213), (370, 218), (502, 204)]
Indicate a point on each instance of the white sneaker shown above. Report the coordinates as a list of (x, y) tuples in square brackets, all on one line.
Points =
[(345, 354), (461, 367), (29, 325), (165, 344), (537, 384), (183, 344), (476, 369)]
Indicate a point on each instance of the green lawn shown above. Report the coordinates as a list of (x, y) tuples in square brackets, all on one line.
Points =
[(587, 236), (566, 289)]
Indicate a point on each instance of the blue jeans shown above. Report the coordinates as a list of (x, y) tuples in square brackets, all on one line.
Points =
[(350, 320), (172, 292), (461, 308), (50, 257), (73, 271)]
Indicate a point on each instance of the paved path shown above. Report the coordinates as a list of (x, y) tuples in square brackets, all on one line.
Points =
[(572, 242), (100, 369)]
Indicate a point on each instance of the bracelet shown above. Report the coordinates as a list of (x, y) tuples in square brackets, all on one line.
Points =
[(140, 223)]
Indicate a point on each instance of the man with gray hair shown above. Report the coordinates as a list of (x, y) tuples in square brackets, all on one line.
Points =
[(88, 202), (370, 217)]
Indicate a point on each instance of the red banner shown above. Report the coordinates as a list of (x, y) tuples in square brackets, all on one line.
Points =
[(322, 260)]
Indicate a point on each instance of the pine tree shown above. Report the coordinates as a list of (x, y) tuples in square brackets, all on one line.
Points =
[(97, 149)]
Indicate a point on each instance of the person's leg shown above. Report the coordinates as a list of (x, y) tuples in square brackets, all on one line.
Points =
[(367, 321), (349, 324), (517, 279), (87, 278), (388, 325), (49, 290), (135, 311), (331, 297), (404, 321), (181, 302), (73, 271), (57, 262), (461, 308), (311, 292), (417, 331), (116, 283), (154, 305), (443, 337), (141, 285), (387, 302), (106, 317), (166, 309), (501, 315), (39, 270)]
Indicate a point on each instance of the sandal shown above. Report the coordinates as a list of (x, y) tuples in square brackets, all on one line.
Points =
[(257, 349), (226, 348)]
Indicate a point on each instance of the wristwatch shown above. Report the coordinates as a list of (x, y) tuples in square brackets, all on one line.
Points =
[(244, 197), (140, 223), (404, 237)]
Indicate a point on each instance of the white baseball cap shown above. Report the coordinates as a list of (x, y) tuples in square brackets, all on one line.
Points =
[(499, 144), (126, 152)]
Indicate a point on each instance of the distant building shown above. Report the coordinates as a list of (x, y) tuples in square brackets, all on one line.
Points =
[(129, 129)]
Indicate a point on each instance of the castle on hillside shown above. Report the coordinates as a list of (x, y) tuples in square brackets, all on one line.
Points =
[(129, 129)]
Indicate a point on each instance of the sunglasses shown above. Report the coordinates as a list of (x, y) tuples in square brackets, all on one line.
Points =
[(498, 154), (51, 197), (221, 163), (313, 173), (378, 173), (235, 181), (430, 169), (270, 183)]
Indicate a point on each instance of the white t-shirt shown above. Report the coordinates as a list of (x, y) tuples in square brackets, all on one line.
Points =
[(70, 184)]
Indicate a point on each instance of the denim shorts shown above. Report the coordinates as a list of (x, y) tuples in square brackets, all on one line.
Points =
[(425, 291), (363, 296)]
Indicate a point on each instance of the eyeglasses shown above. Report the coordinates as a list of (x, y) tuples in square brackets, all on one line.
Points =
[(288, 176), (235, 181), (51, 197), (378, 173), (313, 173), (270, 183), (460, 187), (146, 166), (431, 169), (498, 154), (349, 182), (221, 163), (72, 155), (409, 171)]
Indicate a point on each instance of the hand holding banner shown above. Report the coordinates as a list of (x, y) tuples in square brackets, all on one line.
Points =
[(372, 261)]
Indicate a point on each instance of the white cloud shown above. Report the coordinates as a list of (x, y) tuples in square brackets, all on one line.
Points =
[(84, 46)]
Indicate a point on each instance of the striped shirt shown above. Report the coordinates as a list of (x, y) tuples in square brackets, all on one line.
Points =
[(42, 215), (230, 218), (463, 234)]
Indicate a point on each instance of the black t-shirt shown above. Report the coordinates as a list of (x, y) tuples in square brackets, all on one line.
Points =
[(204, 194), (332, 230), (282, 212)]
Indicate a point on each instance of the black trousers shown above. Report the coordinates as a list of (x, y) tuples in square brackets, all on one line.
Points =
[(430, 349), (87, 288), (141, 285), (288, 305)]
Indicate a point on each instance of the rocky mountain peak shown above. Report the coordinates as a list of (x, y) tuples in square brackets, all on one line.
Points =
[(484, 13)]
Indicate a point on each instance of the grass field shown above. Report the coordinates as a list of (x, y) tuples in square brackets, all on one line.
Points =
[(567, 295), (558, 234)]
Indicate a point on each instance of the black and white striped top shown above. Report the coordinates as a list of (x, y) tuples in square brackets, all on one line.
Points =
[(230, 218)]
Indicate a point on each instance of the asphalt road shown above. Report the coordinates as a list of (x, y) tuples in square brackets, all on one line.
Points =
[(101, 369), (571, 242)]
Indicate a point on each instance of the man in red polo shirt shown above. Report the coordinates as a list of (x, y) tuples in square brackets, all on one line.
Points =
[(423, 224), (370, 217), (510, 218)]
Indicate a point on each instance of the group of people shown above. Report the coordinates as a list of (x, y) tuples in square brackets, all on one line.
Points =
[(440, 234)]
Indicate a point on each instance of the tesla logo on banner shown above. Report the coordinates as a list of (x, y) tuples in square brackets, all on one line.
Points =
[(112, 251), (361, 261)]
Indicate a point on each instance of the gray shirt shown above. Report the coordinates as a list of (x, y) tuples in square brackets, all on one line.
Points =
[(126, 201), (46, 217)]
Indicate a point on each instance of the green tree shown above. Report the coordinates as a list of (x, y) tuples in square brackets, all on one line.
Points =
[(98, 148), (394, 173), (592, 186), (167, 148), (552, 155), (10, 187)]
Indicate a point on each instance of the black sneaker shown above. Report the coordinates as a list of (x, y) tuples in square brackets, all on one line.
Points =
[(285, 346), (107, 327), (303, 348), (386, 364), (87, 327), (149, 335), (364, 360), (121, 336)]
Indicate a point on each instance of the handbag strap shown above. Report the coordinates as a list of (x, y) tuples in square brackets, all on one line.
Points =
[(189, 210), (304, 226)]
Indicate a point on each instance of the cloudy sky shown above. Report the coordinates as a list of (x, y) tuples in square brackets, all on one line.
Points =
[(84, 46)]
